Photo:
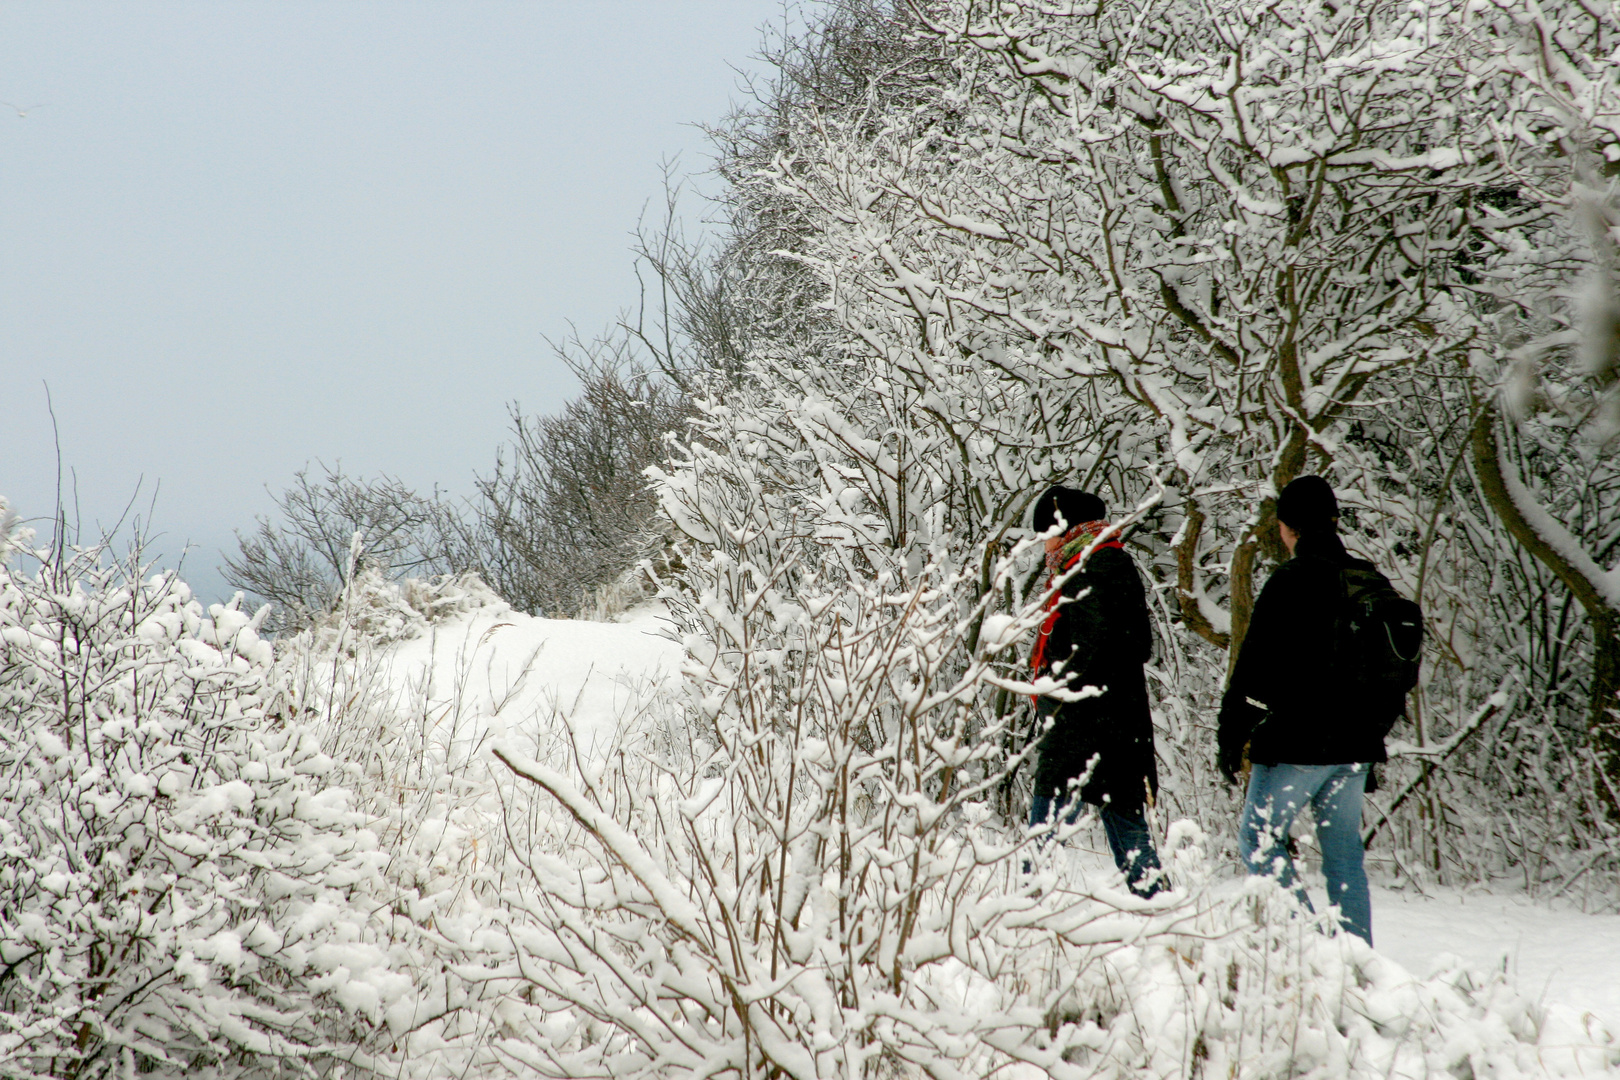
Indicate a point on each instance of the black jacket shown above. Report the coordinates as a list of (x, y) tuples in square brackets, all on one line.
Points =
[(1101, 638), (1285, 697)]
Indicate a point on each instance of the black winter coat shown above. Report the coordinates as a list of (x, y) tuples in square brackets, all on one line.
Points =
[(1285, 698), (1101, 638)]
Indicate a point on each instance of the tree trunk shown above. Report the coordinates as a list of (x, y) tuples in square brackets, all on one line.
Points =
[(1602, 721), (1187, 581)]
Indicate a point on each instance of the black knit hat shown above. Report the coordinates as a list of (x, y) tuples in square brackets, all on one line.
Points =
[(1075, 507), (1307, 505)]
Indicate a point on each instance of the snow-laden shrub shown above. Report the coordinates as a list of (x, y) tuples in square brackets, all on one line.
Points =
[(728, 906), (565, 514), (406, 683), (676, 926), (378, 610), (1238, 982), (331, 526), (415, 746), (185, 885)]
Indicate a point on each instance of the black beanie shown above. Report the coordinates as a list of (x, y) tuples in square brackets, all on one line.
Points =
[(1307, 505), (1075, 507)]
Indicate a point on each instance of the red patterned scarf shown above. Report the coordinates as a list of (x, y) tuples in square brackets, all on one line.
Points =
[(1074, 544)]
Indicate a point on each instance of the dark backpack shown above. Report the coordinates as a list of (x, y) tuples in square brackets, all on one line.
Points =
[(1380, 637)]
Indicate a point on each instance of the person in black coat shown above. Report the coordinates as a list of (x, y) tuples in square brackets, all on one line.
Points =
[(1309, 738), (1099, 749)]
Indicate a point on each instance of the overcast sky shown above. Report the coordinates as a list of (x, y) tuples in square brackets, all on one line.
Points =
[(238, 237)]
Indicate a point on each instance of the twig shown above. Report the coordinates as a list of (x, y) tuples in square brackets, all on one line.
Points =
[(1435, 755)]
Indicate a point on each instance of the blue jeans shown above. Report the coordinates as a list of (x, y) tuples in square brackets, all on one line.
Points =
[(1128, 838), (1276, 794)]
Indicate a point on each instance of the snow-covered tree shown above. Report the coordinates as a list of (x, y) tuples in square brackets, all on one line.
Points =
[(1266, 235), (1241, 216), (330, 528), (185, 887), (1550, 296)]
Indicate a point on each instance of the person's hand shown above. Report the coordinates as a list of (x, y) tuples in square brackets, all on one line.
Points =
[(1229, 760)]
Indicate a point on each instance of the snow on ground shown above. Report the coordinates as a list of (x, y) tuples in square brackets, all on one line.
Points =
[(494, 673), (1559, 957), (1562, 958)]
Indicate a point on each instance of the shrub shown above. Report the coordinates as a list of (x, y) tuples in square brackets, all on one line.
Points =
[(184, 885)]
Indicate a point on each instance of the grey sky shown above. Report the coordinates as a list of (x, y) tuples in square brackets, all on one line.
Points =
[(239, 237)]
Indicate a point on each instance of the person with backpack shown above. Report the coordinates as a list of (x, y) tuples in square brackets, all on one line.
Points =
[(1319, 680), (1096, 637)]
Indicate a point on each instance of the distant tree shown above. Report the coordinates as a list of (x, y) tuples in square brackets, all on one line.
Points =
[(567, 508), (329, 529)]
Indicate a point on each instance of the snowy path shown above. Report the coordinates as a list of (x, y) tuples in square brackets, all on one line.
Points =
[(1560, 957), (1556, 956), (498, 672)]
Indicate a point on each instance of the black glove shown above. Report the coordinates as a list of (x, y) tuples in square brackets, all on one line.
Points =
[(1238, 719)]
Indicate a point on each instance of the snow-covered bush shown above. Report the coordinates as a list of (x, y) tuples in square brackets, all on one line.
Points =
[(566, 513), (375, 610), (692, 920), (408, 683), (185, 885), (798, 862)]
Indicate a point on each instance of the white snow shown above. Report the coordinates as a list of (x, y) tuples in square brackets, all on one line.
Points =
[(1560, 956), (1564, 959), (497, 672)]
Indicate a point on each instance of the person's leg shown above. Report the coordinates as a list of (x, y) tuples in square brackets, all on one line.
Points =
[(1276, 794), (1134, 853), (1337, 806), (1042, 810)]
